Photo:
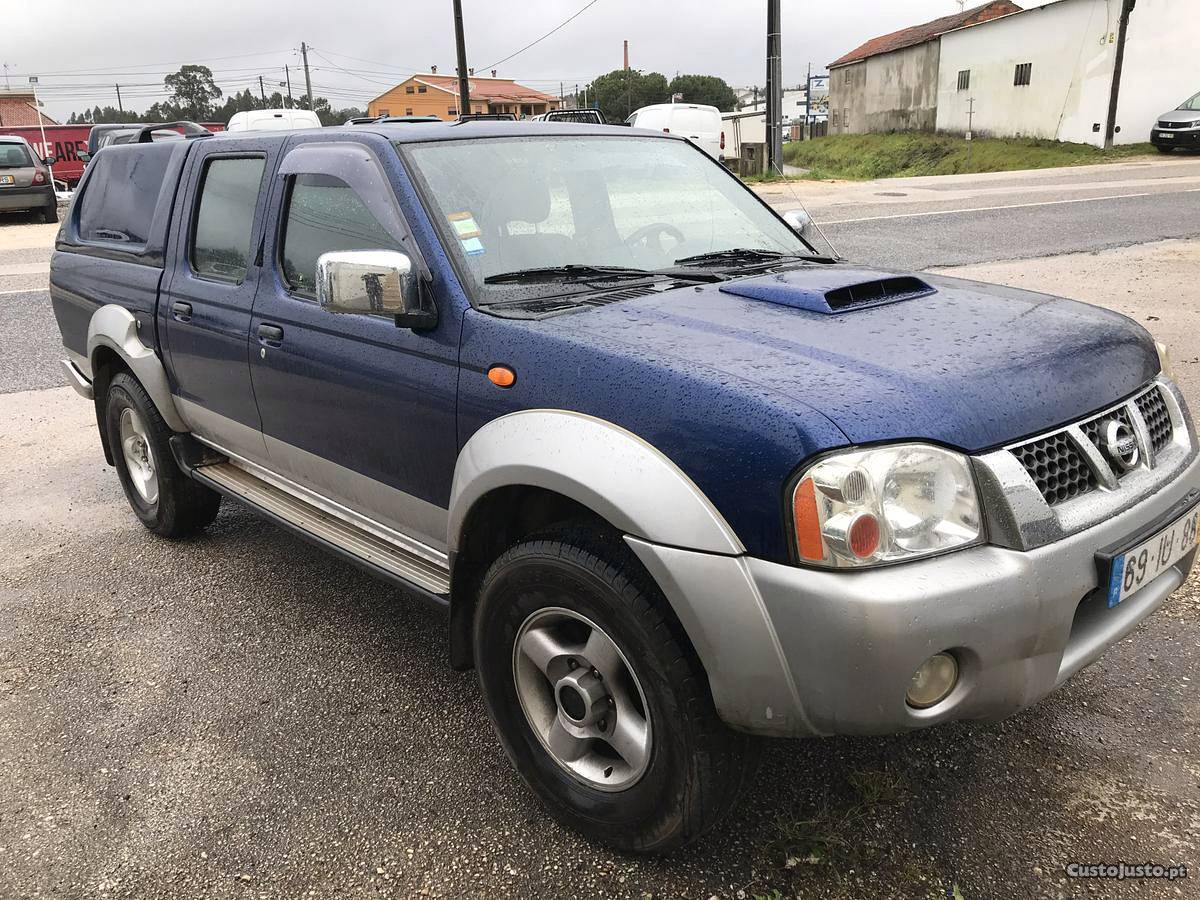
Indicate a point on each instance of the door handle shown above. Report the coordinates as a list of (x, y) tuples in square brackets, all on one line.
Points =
[(270, 334), (181, 311)]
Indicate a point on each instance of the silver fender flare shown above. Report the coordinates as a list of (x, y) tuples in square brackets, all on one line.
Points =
[(607, 469), (115, 327)]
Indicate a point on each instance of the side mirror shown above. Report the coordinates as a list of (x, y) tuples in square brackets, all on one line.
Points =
[(84, 157), (49, 161), (373, 282), (798, 220)]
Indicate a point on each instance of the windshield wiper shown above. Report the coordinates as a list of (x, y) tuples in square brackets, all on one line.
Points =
[(736, 255), (569, 272)]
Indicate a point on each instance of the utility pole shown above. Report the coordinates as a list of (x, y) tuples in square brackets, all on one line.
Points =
[(774, 88), (307, 77), (460, 48), (1111, 127), (288, 75), (262, 92), (33, 83), (7, 85), (804, 131), (120, 108)]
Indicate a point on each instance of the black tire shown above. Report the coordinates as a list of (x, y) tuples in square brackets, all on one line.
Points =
[(1162, 149), (182, 505), (697, 765), (50, 213)]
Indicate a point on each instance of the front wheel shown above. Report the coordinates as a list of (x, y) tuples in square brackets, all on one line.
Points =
[(599, 699)]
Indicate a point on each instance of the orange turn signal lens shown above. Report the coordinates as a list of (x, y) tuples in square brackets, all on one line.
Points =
[(502, 376), (808, 521)]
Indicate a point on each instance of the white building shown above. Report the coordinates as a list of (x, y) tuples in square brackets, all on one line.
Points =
[(1046, 72)]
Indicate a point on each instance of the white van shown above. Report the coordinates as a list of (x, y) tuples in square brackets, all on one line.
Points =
[(699, 124), (274, 120)]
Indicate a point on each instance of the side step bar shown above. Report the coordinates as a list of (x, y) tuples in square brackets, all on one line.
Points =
[(371, 552)]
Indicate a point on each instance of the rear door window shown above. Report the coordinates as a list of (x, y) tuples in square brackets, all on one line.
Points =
[(224, 221), (118, 203), (324, 214)]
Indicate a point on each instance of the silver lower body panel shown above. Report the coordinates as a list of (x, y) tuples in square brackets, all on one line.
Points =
[(392, 556)]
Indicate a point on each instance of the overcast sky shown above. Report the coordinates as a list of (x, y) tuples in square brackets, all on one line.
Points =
[(362, 47)]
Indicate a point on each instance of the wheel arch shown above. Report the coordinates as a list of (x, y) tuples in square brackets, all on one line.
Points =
[(113, 335), (532, 470)]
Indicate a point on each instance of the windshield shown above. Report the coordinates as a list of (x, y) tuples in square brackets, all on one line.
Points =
[(1192, 104), (511, 204), (14, 156)]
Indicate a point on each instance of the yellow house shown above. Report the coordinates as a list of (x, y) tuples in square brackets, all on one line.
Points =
[(437, 95)]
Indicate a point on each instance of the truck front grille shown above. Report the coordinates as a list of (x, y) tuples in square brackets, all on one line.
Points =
[(1056, 467), (1158, 421), (1061, 468)]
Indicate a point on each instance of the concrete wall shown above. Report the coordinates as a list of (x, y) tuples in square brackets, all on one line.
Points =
[(895, 91), (1071, 45)]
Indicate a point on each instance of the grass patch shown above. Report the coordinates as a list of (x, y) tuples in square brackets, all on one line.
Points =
[(831, 836), (865, 156)]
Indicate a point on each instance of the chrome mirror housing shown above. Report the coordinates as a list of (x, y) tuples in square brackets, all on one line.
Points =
[(798, 220), (372, 282)]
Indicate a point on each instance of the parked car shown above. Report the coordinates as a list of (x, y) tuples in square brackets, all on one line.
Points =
[(1178, 128), (25, 182), (581, 116), (699, 124), (677, 479), (273, 120)]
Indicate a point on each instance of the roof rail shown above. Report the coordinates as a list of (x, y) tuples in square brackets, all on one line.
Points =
[(190, 130)]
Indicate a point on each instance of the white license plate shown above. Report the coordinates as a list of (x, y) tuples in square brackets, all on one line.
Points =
[(1166, 136), (1138, 566), (7, 179)]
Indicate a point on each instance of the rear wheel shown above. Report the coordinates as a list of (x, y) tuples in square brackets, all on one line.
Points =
[(50, 213), (598, 697), (166, 500)]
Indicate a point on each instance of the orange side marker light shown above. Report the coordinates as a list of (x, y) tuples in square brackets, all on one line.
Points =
[(807, 520), (502, 376)]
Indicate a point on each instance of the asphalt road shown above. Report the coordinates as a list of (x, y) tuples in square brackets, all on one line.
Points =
[(238, 716), (917, 223)]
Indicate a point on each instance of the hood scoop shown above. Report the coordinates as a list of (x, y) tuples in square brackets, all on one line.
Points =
[(830, 289)]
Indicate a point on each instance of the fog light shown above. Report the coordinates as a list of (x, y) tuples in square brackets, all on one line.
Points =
[(933, 681)]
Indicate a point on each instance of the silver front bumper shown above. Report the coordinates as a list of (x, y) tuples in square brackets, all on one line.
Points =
[(794, 652)]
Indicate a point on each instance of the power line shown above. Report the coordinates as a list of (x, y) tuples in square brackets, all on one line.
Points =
[(109, 70), (544, 36)]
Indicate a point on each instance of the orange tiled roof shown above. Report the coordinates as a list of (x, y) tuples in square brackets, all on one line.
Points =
[(919, 34), (487, 88), (17, 109)]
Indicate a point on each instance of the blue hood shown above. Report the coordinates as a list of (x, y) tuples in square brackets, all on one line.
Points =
[(961, 363)]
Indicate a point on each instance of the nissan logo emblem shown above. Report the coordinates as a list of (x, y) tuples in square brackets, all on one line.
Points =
[(1120, 445)]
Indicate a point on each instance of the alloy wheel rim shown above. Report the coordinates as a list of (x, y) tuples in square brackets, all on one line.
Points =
[(139, 457), (582, 699)]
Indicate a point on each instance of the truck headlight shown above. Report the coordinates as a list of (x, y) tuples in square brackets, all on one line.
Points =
[(885, 504)]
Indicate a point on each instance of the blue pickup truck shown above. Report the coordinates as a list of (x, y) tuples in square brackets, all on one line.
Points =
[(678, 479)]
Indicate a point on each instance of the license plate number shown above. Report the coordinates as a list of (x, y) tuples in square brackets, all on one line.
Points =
[(7, 179), (1166, 136), (1138, 566)]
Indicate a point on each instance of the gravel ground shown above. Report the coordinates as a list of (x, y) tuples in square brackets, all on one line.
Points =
[(237, 716)]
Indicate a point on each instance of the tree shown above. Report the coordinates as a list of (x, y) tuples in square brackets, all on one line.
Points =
[(193, 92), (708, 90), (622, 91)]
